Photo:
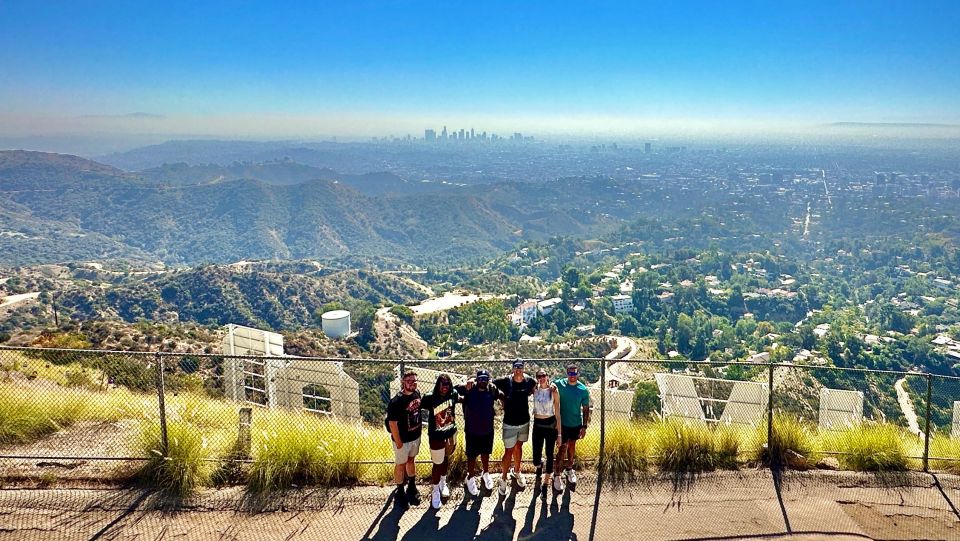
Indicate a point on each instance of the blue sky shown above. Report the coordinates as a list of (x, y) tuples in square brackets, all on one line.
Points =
[(357, 67)]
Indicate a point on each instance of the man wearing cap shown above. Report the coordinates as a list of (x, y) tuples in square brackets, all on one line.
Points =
[(516, 390), (478, 397), (574, 417)]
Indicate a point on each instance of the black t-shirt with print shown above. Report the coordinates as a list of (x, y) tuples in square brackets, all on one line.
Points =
[(405, 410), (441, 415), (516, 406)]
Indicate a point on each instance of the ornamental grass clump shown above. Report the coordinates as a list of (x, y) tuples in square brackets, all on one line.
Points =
[(29, 412), (299, 448), (682, 447), (942, 446), (873, 447), (186, 464), (791, 436), (626, 450)]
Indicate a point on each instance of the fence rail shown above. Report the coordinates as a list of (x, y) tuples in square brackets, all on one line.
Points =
[(116, 406)]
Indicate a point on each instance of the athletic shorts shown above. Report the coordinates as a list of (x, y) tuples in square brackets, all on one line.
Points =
[(479, 445), (437, 455), (569, 433), (406, 451), (513, 434)]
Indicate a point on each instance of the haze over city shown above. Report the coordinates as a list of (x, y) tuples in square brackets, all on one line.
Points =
[(360, 69)]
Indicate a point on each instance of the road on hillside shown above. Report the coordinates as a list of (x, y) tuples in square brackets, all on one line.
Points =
[(906, 406)]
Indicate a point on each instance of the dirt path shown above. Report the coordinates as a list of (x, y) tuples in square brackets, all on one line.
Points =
[(753, 504), (906, 406)]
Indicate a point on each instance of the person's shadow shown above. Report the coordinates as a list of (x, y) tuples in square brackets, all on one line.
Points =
[(464, 521), (389, 521), (503, 524), (425, 528), (560, 523)]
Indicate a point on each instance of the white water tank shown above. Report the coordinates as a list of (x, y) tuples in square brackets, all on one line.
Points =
[(336, 323)]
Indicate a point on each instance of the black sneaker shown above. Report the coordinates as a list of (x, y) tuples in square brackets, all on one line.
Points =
[(413, 495)]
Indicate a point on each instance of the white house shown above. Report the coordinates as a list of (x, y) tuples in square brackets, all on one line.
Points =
[(547, 306), (622, 303), (525, 313)]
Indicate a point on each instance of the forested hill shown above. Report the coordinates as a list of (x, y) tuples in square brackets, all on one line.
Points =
[(56, 208), (217, 295)]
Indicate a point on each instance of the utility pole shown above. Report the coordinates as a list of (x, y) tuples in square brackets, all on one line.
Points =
[(56, 317)]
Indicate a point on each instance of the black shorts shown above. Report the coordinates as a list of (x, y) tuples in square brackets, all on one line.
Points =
[(569, 433), (479, 445)]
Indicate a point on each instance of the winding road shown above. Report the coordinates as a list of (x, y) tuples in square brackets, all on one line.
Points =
[(906, 405)]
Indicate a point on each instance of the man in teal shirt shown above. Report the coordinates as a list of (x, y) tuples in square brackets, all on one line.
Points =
[(574, 418)]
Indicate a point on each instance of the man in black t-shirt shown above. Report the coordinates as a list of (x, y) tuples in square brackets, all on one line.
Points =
[(403, 419), (441, 429), (515, 390)]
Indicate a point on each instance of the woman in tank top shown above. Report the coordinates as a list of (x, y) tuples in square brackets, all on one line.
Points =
[(546, 424)]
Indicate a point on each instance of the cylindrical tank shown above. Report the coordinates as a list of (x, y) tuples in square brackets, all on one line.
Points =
[(336, 323)]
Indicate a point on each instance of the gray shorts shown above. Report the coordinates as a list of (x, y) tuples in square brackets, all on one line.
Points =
[(405, 452), (513, 434)]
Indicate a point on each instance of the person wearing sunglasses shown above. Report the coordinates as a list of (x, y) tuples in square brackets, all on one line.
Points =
[(478, 397), (516, 389), (546, 425), (441, 429), (403, 421), (575, 416)]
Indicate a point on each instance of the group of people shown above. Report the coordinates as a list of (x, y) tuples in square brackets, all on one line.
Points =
[(560, 416)]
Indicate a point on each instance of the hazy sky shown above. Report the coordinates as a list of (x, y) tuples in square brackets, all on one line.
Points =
[(348, 67)]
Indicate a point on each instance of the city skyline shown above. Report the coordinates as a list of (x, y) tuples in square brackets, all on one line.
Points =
[(301, 70)]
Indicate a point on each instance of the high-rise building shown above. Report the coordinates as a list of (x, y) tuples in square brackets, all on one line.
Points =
[(443, 134), (429, 135), (463, 134), (471, 133), (646, 147)]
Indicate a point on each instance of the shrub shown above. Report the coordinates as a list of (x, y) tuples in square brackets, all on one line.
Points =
[(877, 447)]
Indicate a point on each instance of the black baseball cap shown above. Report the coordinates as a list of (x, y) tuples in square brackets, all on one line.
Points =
[(518, 363), (483, 375)]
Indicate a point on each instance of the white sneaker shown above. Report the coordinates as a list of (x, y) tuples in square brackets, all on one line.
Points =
[(472, 486), (444, 489), (521, 482), (558, 483), (503, 486), (571, 476), (435, 499), (487, 480)]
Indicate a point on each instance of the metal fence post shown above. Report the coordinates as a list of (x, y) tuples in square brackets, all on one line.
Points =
[(926, 430), (163, 409), (603, 411), (243, 432), (769, 411)]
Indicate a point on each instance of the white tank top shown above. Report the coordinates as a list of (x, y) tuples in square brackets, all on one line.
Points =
[(543, 403)]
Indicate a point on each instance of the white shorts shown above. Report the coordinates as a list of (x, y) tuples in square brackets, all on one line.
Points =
[(405, 452), (437, 455), (513, 434)]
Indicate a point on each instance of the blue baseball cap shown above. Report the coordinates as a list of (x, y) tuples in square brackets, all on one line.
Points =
[(518, 363), (483, 375)]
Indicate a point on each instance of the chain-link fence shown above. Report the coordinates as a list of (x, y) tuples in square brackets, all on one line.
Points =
[(103, 415)]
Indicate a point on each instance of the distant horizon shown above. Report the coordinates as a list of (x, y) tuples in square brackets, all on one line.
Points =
[(301, 69)]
